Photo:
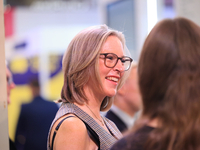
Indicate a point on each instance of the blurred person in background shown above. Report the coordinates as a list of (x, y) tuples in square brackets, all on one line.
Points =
[(127, 102), (34, 121), (10, 86), (169, 82), (95, 66)]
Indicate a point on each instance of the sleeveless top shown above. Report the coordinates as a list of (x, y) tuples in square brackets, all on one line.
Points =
[(106, 139)]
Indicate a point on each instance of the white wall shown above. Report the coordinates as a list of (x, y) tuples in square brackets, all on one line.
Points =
[(189, 9)]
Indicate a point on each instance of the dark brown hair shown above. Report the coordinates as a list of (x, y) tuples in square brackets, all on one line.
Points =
[(169, 80)]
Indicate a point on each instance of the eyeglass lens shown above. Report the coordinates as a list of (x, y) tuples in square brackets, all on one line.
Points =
[(112, 59)]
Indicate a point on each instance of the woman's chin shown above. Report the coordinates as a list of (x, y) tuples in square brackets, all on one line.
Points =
[(111, 94)]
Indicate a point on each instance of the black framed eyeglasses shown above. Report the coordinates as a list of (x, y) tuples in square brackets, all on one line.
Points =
[(111, 59)]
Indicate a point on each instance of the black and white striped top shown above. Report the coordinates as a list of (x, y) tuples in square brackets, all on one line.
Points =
[(106, 139)]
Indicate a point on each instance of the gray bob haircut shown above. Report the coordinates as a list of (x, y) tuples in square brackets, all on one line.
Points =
[(81, 63)]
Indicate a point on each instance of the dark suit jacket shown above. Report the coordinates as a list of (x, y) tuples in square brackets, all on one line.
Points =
[(119, 123), (34, 123)]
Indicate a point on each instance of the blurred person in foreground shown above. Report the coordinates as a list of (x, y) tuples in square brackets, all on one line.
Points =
[(10, 86), (94, 65), (169, 81), (34, 121), (127, 102)]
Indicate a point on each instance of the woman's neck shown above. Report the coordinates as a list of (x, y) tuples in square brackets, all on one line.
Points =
[(94, 102), (94, 98)]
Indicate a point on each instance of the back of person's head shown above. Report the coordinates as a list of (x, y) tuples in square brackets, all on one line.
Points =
[(80, 63), (34, 86), (169, 80)]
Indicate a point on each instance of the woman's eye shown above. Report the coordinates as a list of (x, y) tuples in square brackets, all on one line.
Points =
[(123, 60), (110, 57)]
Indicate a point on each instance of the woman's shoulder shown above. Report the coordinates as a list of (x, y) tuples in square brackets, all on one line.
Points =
[(70, 123), (71, 127)]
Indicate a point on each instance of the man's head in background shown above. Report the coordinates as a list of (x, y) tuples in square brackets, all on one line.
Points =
[(128, 95), (34, 86), (127, 102)]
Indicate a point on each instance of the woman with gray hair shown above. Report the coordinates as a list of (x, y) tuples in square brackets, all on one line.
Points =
[(95, 67)]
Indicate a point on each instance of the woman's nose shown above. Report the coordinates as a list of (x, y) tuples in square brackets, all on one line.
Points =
[(119, 66)]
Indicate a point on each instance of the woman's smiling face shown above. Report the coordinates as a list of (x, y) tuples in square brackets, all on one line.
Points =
[(110, 77)]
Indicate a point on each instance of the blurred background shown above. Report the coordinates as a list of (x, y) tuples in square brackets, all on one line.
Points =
[(38, 32)]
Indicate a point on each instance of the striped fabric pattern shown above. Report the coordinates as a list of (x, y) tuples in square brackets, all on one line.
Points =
[(106, 139)]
